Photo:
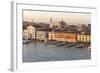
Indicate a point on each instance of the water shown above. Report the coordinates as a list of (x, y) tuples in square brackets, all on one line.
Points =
[(37, 51)]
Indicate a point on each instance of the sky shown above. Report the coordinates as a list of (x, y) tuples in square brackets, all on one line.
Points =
[(44, 16)]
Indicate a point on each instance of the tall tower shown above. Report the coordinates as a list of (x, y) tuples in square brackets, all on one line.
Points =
[(51, 25)]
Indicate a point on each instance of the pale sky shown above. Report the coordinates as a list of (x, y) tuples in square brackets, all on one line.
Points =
[(43, 16)]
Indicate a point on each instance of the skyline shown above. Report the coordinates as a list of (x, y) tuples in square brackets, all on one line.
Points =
[(44, 16)]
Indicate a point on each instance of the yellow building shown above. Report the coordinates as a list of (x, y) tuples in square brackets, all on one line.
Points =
[(83, 38), (62, 36), (51, 36)]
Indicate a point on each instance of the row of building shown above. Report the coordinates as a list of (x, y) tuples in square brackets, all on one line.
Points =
[(37, 32), (69, 37)]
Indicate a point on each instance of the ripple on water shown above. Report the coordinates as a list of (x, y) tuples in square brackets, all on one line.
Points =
[(36, 51)]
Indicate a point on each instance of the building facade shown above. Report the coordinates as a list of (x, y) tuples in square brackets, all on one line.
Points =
[(62, 36), (54, 23), (41, 35), (25, 34), (31, 31), (83, 38)]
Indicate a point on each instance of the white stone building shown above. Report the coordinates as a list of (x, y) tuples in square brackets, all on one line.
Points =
[(31, 31), (25, 34), (54, 23)]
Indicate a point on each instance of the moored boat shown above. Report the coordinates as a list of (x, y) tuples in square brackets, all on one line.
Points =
[(89, 49), (26, 41)]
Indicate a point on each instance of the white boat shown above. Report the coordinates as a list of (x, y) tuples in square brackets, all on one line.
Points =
[(26, 41)]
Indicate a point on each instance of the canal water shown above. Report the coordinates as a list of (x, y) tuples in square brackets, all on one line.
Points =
[(37, 52)]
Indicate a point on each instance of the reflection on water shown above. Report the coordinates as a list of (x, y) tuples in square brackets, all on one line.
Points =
[(37, 51)]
